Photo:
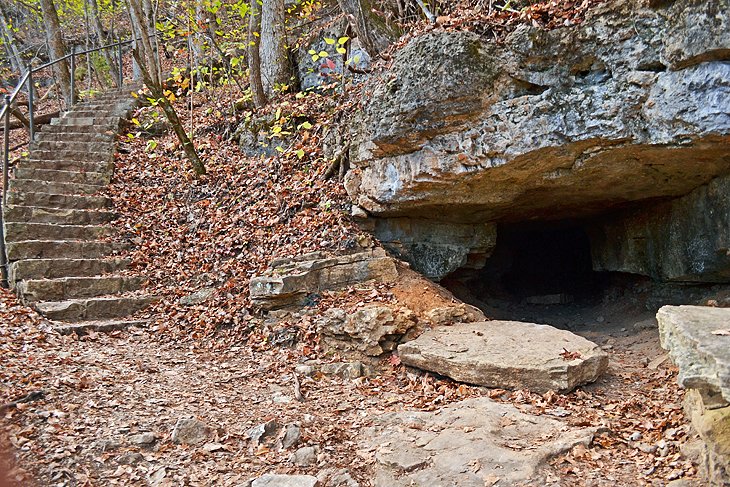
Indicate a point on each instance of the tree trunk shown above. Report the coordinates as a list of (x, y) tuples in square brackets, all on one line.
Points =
[(99, 31), (16, 61), (254, 61), (275, 66), (374, 31), (57, 48), (149, 69)]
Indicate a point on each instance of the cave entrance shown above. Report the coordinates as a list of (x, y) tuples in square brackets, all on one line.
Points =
[(545, 263), (542, 272)]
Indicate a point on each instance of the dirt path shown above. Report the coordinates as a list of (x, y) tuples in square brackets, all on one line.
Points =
[(103, 391)]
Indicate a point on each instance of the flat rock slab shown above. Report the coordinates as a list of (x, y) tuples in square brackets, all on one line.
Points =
[(273, 480), (698, 341), (288, 282), (473, 443), (507, 354)]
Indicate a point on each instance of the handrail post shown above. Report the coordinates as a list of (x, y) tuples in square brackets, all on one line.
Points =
[(121, 73), (6, 145), (6, 157), (73, 75), (31, 102)]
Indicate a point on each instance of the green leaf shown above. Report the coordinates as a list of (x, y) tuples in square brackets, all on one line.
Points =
[(342, 40), (329, 41), (341, 50), (300, 153), (305, 125), (312, 52), (315, 58), (323, 54)]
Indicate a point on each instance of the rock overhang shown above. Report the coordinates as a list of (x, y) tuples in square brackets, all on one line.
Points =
[(570, 123)]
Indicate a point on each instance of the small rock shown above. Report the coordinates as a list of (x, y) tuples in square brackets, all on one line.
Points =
[(680, 483), (214, 447), (304, 456), (337, 478), (358, 212), (271, 480), (261, 431), (142, 439), (190, 431), (108, 445), (647, 448), (158, 475), (635, 436), (198, 297), (129, 458), (292, 434), (279, 398)]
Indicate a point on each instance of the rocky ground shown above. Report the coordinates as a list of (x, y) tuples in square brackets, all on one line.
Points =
[(109, 404)]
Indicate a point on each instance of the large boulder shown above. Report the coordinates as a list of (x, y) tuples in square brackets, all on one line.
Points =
[(474, 443), (630, 105), (698, 341), (507, 354)]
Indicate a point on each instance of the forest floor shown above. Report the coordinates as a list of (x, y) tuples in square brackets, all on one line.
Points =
[(92, 398), (101, 391)]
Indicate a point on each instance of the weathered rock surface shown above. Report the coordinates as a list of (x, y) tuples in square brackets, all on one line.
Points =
[(686, 239), (713, 428), (191, 431), (507, 354), (473, 443), (703, 357), (630, 105), (371, 329), (698, 341), (436, 249), (288, 282), (273, 480)]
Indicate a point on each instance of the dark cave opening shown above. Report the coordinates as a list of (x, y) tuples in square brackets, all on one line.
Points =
[(542, 272), (540, 263)]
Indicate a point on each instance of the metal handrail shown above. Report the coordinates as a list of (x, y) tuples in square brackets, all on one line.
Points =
[(27, 81)]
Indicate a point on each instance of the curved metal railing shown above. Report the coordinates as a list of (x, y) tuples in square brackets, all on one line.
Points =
[(26, 81)]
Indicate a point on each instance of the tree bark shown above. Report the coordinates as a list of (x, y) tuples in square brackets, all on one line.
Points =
[(16, 61), (57, 48), (374, 31), (99, 31), (275, 65), (254, 61)]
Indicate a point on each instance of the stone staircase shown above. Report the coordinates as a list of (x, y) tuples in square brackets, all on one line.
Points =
[(59, 242)]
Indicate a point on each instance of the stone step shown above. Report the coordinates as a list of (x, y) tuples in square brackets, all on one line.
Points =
[(96, 122), (55, 268), (77, 129), (105, 168), (19, 231), (100, 326), (83, 177), (105, 146), (62, 216), (90, 309), (47, 200), (62, 249), (96, 111), (76, 154), (52, 187), (64, 288), (67, 136)]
